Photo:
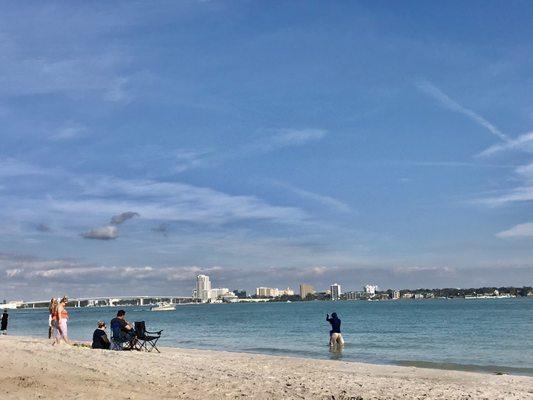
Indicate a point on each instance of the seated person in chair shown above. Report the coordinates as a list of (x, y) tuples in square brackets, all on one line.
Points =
[(122, 330)]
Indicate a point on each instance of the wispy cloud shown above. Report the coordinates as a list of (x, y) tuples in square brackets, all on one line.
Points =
[(517, 231), (287, 138), (327, 201), (71, 130), (520, 193), (523, 143), (181, 160), (433, 91), (80, 199), (10, 167)]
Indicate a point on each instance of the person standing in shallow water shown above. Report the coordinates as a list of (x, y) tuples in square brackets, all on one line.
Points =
[(335, 336), (3, 324)]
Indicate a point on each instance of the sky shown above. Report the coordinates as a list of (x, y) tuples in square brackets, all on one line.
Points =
[(264, 144)]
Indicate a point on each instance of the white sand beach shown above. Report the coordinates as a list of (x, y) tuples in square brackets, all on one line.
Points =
[(34, 369)]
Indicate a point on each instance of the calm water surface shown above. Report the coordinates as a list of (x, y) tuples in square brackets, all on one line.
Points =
[(489, 335)]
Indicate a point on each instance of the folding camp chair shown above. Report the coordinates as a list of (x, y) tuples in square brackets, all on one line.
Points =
[(145, 339)]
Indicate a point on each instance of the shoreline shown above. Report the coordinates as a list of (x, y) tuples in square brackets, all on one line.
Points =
[(33, 368), (423, 364)]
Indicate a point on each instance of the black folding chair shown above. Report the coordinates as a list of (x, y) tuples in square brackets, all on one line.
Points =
[(146, 340)]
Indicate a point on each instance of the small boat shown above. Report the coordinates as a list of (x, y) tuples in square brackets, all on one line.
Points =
[(163, 307)]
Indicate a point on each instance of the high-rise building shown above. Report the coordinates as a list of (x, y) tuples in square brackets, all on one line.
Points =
[(203, 288), (267, 292), (395, 294), (306, 289), (370, 289), (335, 291)]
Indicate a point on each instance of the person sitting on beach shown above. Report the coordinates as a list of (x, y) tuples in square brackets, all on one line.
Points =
[(3, 324), (335, 336), (122, 328), (100, 339)]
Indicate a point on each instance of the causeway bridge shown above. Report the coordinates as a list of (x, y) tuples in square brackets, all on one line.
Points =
[(111, 301)]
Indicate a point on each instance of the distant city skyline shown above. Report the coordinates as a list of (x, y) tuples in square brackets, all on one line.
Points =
[(264, 144)]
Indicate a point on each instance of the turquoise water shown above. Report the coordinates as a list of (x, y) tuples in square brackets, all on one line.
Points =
[(489, 335)]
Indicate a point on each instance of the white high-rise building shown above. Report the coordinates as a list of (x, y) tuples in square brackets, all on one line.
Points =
[(335, 291), (203, 288), (370, 289)]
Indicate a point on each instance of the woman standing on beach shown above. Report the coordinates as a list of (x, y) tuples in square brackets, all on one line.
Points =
[(61, 317), (52, 310)]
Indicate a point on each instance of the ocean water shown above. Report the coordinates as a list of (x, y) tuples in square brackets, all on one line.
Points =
[(485, 335)]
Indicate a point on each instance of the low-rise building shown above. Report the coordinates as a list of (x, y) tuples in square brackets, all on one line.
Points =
[(350, 296)]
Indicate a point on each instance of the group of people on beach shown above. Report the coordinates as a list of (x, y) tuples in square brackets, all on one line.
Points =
[(58, 327)]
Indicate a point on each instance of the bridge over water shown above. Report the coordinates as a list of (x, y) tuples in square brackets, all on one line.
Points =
[(112, 301)]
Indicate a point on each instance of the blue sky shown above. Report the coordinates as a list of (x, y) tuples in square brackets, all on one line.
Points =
[(265, 144)]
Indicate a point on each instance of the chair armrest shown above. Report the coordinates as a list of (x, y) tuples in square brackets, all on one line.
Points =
[(158, 332)]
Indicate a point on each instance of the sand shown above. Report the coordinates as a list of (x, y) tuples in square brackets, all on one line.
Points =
[(33, 369)]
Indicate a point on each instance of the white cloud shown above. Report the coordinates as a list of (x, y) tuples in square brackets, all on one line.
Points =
[(520, 230), (433, 91), (104, 233)]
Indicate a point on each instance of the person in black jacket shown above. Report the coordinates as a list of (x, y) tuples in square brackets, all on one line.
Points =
[(3, 324), (100, 339), (335, 336)]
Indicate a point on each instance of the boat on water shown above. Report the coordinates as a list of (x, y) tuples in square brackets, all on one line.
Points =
[(163, 307), (12, 305)]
